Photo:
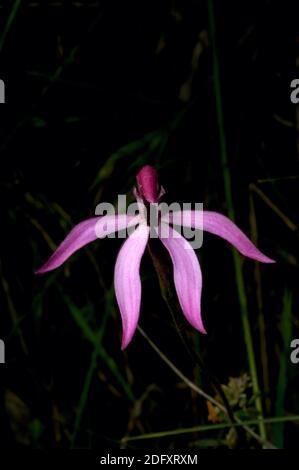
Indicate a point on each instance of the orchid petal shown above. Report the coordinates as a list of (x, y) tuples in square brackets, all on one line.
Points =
[(127, 281), (187, 274), (220, 225), (84, 233)]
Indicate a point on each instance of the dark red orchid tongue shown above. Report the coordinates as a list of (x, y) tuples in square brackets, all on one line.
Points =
[(148, 186)]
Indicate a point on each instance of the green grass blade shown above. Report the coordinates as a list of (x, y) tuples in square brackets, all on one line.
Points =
[(10, 20), (209, 427), (231, 213), (286, 332)]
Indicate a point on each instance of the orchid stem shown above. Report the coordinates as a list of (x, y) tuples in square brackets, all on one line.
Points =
[(202, 393), (231, 213), (166, 292)]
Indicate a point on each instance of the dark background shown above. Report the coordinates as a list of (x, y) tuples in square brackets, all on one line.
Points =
[(94, 90)]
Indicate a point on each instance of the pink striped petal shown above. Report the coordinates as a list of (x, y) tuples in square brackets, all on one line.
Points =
[(220, 225), (127, 281), (187, 275), (84, 233)]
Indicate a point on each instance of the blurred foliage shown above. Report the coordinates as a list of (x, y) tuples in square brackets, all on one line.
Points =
[(94, 90)]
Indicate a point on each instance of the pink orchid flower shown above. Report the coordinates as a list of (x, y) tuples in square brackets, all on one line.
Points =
[(186, 269)]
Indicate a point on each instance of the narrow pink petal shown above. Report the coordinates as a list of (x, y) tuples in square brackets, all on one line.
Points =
[(187, 275), (84, 233), (219, 225), (127, 281)]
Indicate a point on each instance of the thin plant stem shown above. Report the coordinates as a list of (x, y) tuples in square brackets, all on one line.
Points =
[(209, 427), (12, 14), (260, 315), (166, 291), (231, 212), (85, 391), (203, 394)]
